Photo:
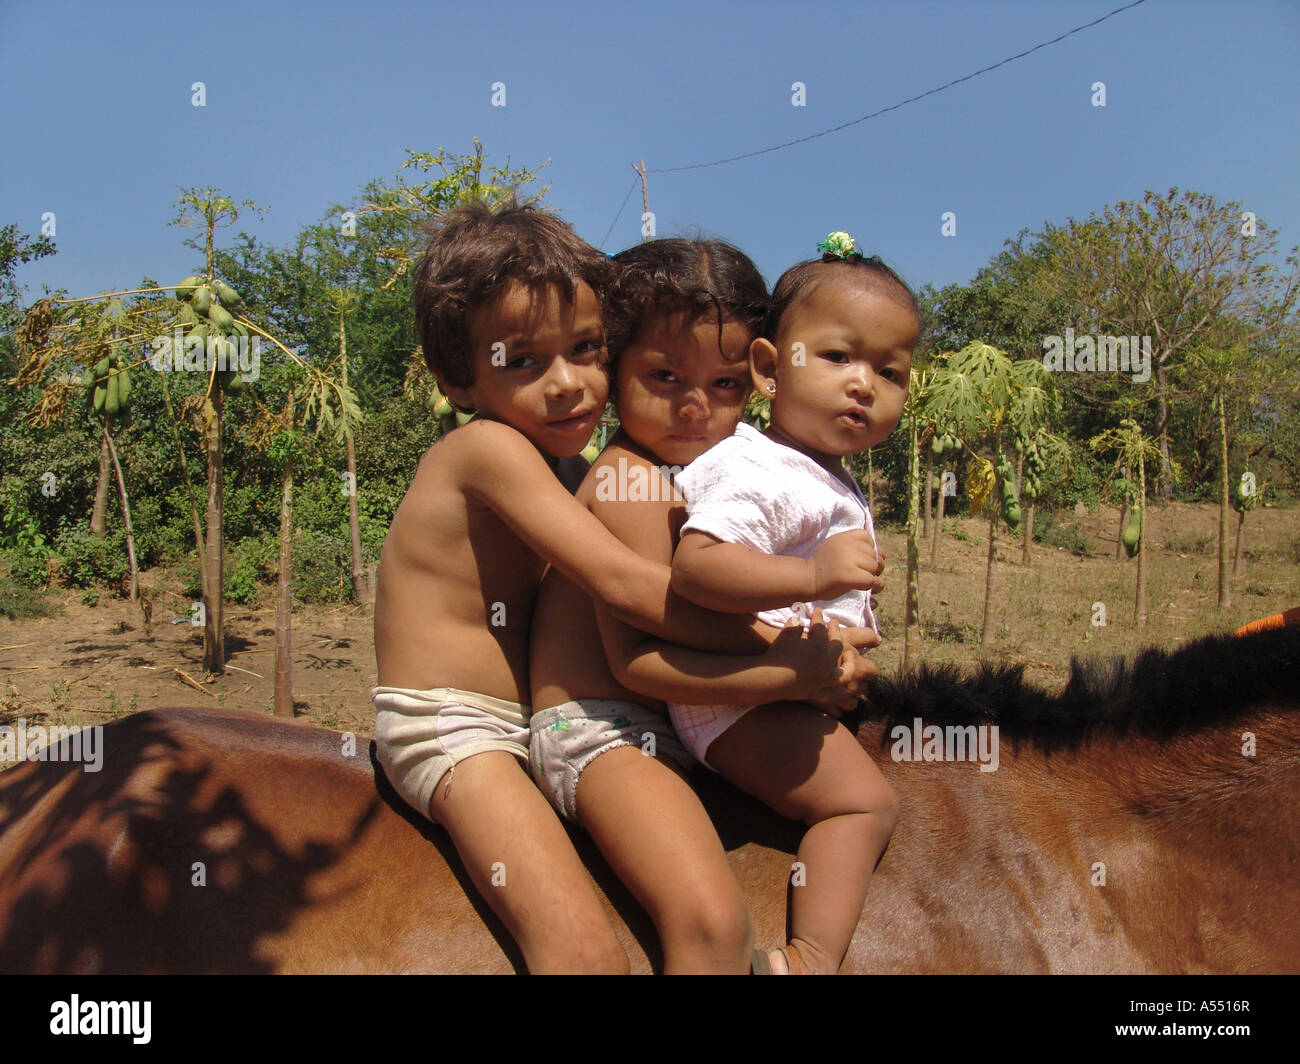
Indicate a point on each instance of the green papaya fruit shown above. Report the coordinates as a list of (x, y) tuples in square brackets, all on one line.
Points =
[(442, 407), (112, 400), (202, 301), (936, 447), (101, 368), (1133, 535), (221, 317), (101, 397), (463, 419), (228, 296), (187, 318), (185, 290), (124, 388), (591, 452)]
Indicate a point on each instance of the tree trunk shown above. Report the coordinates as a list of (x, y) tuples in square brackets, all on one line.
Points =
[(1236, 555), (990, 621), (927, 514), (937, 527), (283, 634), (871, 484), (214, 650), (1123, 518), (1164, 412), (912, 603), (99, 515), (126, 517), (1029, 533), (360, 585), (189, 484), (1020, 484), (1140, 600), (1225, 587)]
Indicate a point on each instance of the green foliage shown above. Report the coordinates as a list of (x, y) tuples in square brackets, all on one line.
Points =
[(253, 563), (28, 569), (322, 567), (1054, 531), (88, 561), (18, 528), (22, 584)]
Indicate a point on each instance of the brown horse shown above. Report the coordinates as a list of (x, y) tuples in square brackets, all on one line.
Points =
[(1145, 820)]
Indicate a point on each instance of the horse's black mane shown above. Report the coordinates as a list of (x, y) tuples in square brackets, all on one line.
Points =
[(1160, 693)]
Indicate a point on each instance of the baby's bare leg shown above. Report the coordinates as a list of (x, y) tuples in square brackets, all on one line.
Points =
[(806, 766), (523, 864), (660, 842)]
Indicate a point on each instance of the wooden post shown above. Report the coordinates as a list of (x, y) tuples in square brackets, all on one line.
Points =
[(645, 201)]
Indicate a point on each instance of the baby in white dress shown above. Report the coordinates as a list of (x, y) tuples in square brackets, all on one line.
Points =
[(775, 523)]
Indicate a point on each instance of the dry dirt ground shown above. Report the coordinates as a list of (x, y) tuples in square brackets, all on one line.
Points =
[(87, 665)]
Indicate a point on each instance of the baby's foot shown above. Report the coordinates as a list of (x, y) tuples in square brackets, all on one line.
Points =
[(784, 960)]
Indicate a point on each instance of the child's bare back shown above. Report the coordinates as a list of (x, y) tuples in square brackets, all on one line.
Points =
[(456, 583)]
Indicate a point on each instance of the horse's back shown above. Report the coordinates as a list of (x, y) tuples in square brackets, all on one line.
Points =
[(224, 841)]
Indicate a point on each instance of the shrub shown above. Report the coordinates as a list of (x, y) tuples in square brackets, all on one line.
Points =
[(1050, 529), (89, 561)]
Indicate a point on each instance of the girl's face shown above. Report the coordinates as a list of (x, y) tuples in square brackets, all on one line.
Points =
[(837, 376), (677, 393)]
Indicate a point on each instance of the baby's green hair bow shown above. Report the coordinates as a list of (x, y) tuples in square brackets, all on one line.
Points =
[(839, 244)]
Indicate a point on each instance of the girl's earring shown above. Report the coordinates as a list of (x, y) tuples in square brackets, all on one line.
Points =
[(771, 389)]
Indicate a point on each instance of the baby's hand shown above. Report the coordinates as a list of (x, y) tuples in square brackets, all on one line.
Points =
[(846, 562)]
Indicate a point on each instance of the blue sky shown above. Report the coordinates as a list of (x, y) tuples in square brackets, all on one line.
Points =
[(305, 103)]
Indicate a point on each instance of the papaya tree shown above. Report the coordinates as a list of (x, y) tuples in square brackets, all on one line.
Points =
[(978, 394), (209, 210), (96, 334), (1244, 497), (915, 422), (1134, 449)]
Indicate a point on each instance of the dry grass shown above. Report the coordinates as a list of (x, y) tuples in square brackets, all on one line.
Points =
[(1045, 610)]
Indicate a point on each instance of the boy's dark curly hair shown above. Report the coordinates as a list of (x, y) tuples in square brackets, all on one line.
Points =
[(701, 278), (473, 252), (870, 273)]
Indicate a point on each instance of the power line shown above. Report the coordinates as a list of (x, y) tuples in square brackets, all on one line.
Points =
[(892, 107), (620, 210)]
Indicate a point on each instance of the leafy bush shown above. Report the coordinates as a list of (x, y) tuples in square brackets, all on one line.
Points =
[(27, 568), (253, 564), (89, 561), (322, 567), (1051, 530)]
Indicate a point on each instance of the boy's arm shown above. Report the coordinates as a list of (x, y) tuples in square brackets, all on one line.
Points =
[(739, 579), (497, 466), (798, 666)]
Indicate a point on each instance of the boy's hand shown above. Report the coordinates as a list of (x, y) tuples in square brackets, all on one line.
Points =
[(813, 656), (846, 562), (856, 670)]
